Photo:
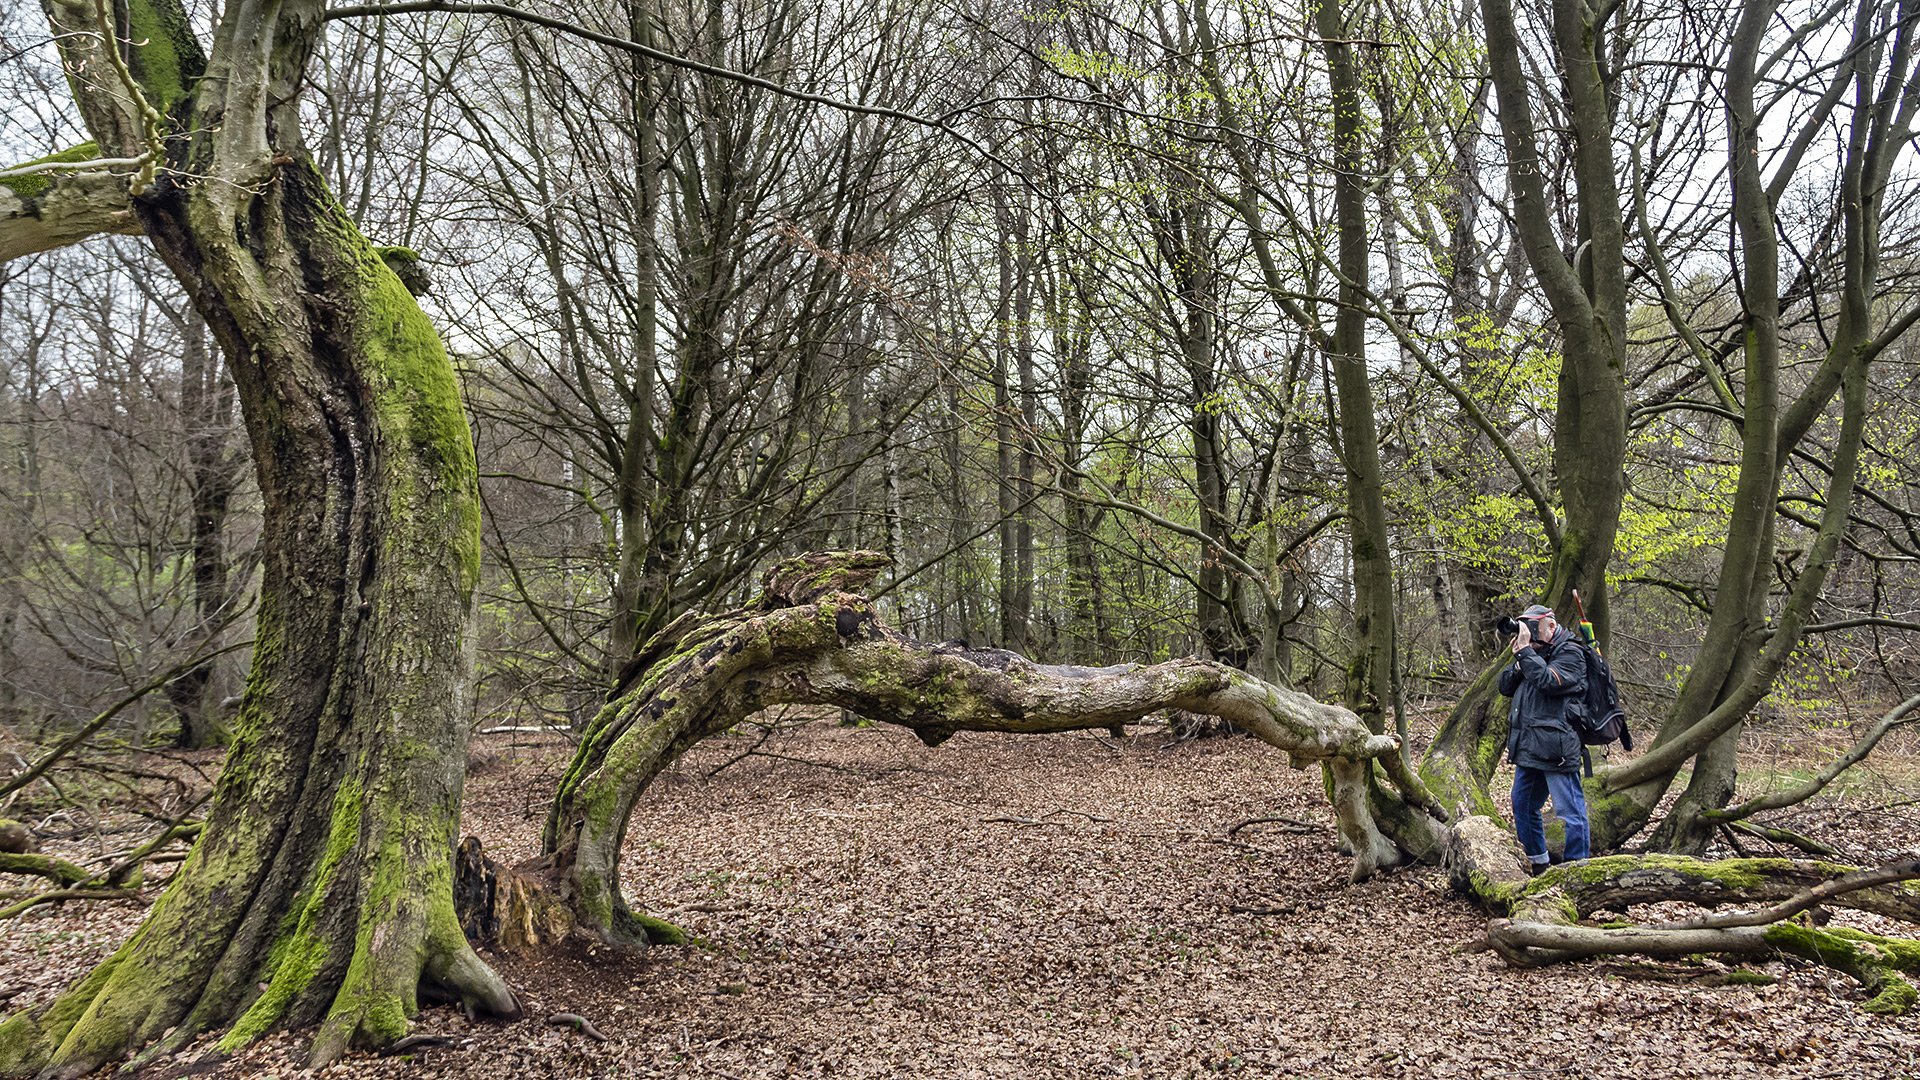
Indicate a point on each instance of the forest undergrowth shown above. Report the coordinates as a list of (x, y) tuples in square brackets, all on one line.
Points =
[(1068, 906)]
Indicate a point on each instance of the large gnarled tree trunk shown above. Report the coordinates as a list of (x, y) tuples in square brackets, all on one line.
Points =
[(321, 887)]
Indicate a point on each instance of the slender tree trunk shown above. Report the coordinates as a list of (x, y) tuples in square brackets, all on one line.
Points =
[(24, 419), (1071, 319), (636, 476), (1372, 680), (206, 406), (1015, 588), (1183, 230)]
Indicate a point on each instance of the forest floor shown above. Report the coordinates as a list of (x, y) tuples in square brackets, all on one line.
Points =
[(1065, 906)]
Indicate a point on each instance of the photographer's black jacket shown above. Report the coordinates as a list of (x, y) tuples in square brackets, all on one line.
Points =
[(1546, 686)]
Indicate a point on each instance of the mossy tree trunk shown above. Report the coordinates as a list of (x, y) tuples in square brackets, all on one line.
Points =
[(321, 887), (1587, 297), (1746, 645), (805, 640), (1540, 921)]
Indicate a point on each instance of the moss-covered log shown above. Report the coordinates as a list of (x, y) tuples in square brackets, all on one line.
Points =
[(320, 890), (1880, 964), (1539, 920), (804, 641)]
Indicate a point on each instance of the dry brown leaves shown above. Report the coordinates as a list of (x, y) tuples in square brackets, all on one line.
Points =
[(1050, 907)]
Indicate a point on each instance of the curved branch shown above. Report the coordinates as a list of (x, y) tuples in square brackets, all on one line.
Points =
[(1901, 714), (50, 758), (1806, 898), (806, 642)]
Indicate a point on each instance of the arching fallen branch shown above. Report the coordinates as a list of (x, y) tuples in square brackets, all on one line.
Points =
[(809, 639)]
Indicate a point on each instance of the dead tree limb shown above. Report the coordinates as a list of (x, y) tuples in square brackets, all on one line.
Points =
[(809, 639), (1905, 712), (1825, 892), (1880, 964)]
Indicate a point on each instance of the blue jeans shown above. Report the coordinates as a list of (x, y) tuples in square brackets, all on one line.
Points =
[(1530, 790)]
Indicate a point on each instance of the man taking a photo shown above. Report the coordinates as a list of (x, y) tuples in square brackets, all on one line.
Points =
[(1546, 681)]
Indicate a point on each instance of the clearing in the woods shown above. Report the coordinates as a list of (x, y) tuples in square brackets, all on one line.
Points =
[(1067, 906)]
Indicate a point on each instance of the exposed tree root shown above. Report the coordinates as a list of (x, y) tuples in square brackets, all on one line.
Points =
[(578, 1023)]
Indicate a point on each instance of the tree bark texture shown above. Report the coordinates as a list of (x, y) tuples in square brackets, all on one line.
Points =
[(808, 639), (321, 887), (1538, 921)]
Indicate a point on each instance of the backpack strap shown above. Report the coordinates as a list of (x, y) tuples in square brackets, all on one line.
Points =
[(1586, 761)]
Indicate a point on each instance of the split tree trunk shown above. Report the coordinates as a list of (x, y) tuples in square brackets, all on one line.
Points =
[(1742, 653), (1588, 299), (321, 887)]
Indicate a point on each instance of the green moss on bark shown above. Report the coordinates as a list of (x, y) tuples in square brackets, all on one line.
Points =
[(165, 52), (419, 404), (655, 931), (37, 185), (299, 954), (1735, 874), (1879, 963)]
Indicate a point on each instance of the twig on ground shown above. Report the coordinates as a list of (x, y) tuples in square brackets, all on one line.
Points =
[(1733, 841), (765, 734), (1784, 837), (1890, 874), (578, 1023), (806, 761), (1294, 825), (411, 1043), (1046, 818), (61, 895)]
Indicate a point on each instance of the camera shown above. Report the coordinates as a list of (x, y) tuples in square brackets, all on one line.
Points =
[(1509, 626)]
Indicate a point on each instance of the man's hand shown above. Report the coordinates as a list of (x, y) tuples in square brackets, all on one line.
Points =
[(1523, 639)]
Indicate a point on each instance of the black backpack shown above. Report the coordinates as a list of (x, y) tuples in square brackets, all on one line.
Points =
[(1604, 720)]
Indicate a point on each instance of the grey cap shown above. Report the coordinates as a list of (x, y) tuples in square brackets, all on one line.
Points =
[(1536, 611)]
